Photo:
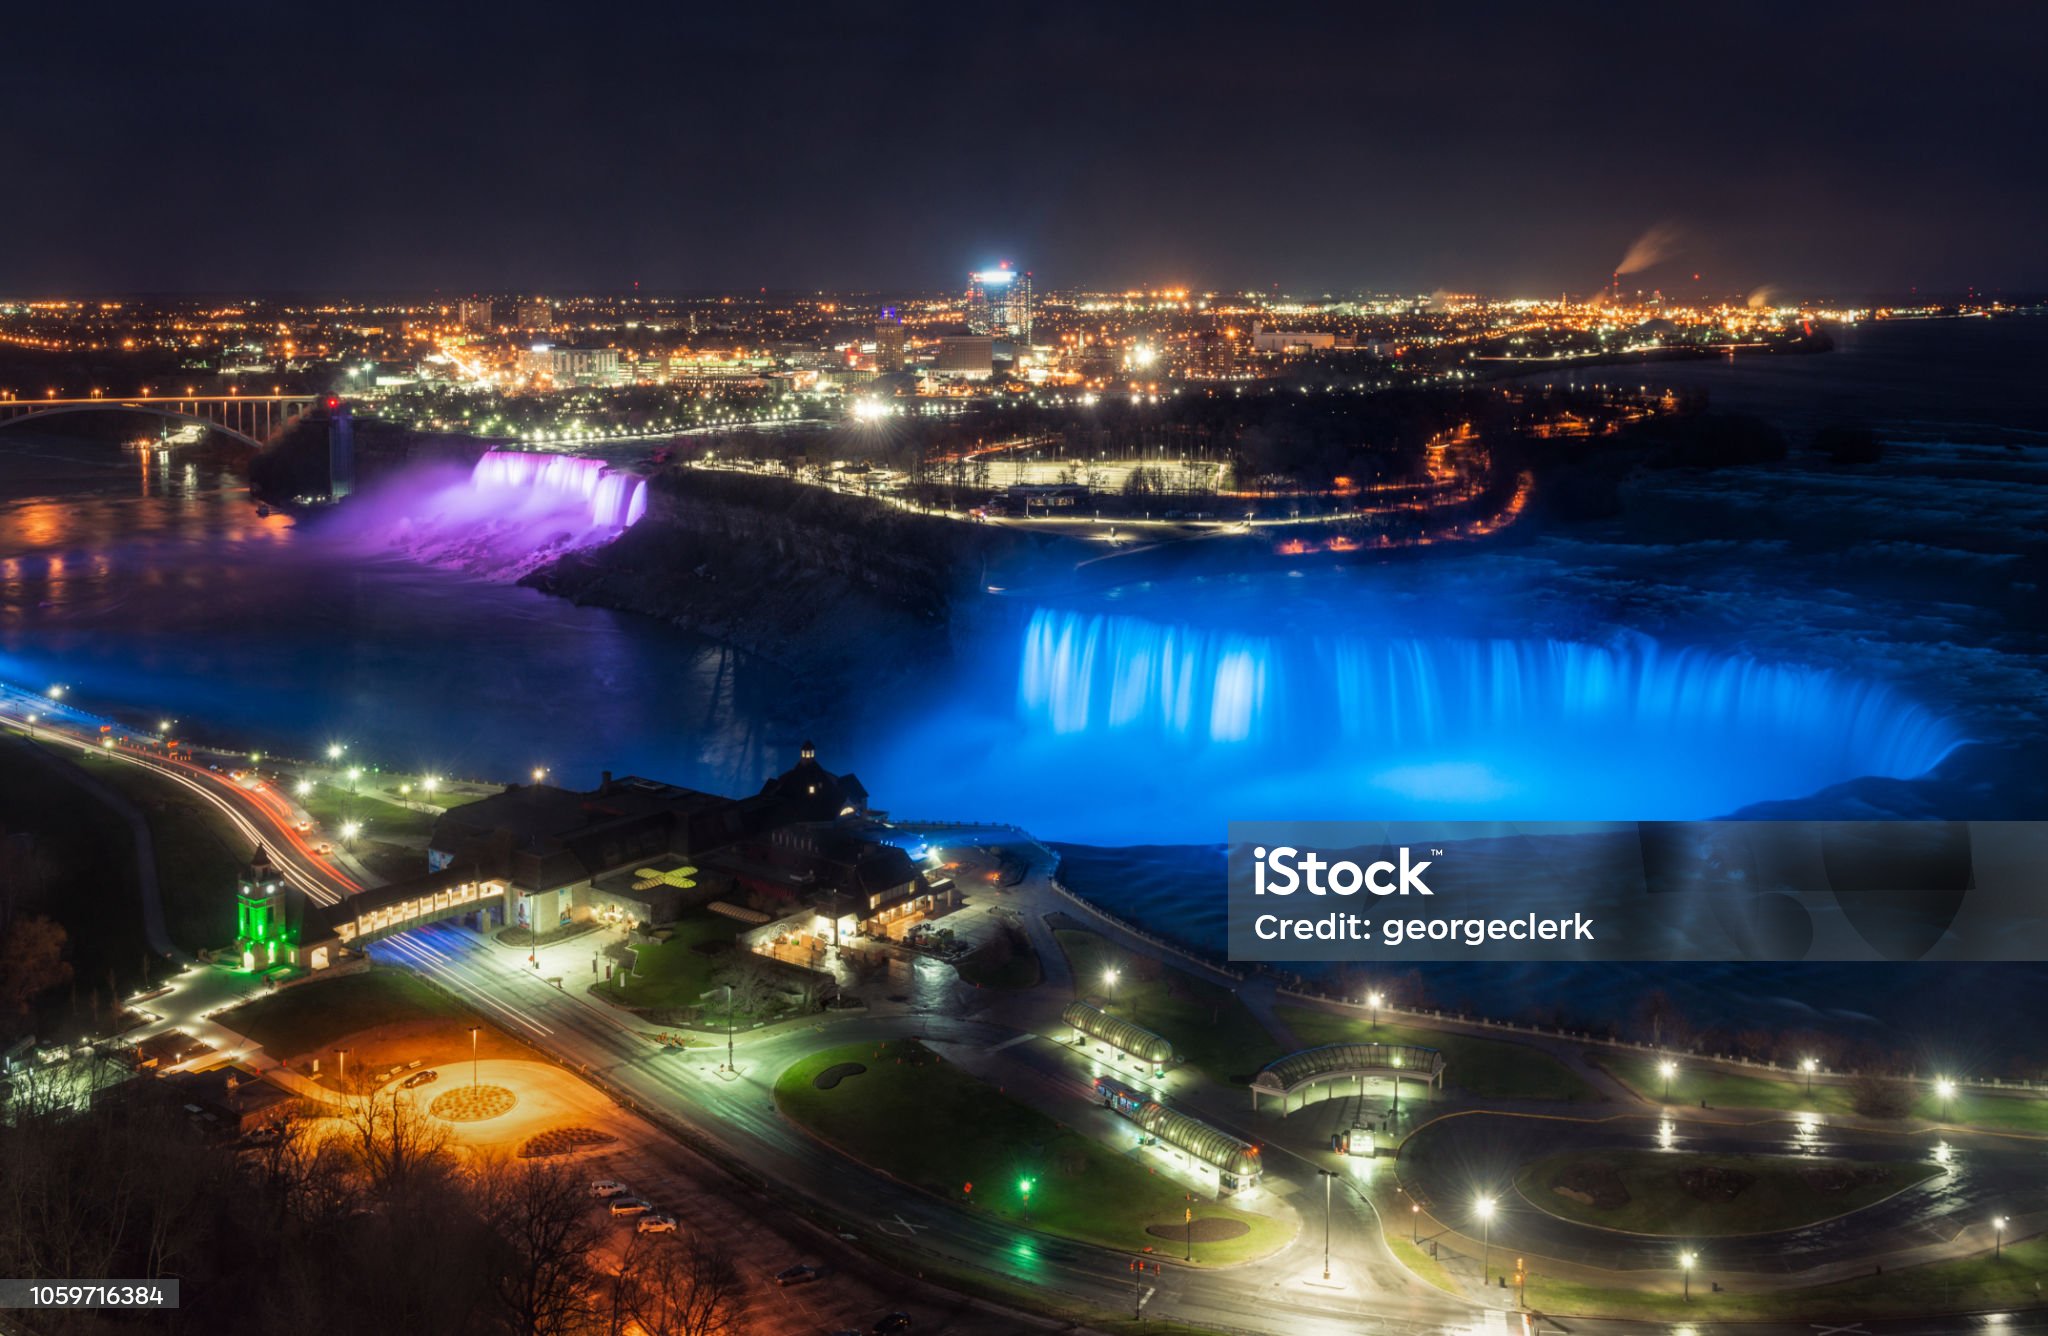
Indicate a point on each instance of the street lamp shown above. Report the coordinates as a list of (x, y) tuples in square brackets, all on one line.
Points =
[(728, 1029), (343, 1053), (1109, 976), (472, 1055), (334, 751), (1024, 1186), (354, 773), (349, 831), (303, 788), (538, 772), (1485, 1209), (1997, 1237), (1328, 1176), (1415, 1222), (1808, 1065), (1944, 1090), (1667, 1070), (1374, 1000), (1685, 1261)]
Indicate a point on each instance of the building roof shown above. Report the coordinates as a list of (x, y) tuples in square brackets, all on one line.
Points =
[(1205, 1143), (545, 837), (808, 791), (1117, 1032), (1315, 1064)]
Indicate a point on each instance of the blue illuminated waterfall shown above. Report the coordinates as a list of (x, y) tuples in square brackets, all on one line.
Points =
[(1370, 725)]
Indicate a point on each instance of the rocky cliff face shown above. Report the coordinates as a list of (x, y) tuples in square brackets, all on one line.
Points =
[(833, 588)]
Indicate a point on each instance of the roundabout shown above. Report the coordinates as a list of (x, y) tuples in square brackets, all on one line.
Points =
[(1771, 1197), (1681, 1196)]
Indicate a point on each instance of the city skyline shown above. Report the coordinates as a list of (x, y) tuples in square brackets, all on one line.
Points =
[(1369, 152)]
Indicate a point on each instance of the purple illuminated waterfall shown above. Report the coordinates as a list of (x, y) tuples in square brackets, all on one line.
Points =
[(617, 500), (508, 515)]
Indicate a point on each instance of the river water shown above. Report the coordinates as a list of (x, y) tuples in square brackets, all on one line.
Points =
[(1875, 616)]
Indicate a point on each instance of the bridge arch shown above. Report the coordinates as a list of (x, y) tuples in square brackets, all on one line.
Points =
[(1330, 1063), (216, 414)]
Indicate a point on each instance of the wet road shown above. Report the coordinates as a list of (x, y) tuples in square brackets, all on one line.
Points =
[(1458, 1157)]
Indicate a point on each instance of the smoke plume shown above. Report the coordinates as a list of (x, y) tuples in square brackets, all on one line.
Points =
[(1655, 246)]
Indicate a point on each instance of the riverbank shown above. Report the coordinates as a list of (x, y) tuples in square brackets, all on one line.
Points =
[(837, 591)]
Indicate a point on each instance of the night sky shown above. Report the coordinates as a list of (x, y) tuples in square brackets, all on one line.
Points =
[(1824, 149)]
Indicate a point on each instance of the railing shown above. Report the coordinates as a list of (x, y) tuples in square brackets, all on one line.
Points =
[(1637, 1046)]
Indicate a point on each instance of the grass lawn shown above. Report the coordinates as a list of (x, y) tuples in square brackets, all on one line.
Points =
[(331, 804), (1481, 1068), (307, 1019), (1689, 1196), (199, 857), (1206, 1023), (1006, 961), (914, 1115), (677, 973), (1725, 1088), (79, 870), (1969, 1285)]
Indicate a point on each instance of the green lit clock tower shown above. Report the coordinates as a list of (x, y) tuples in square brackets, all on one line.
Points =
[(263, 932)]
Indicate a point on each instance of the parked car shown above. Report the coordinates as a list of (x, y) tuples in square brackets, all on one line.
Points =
[(889, 1322), (656, 1224), (418, 1079), (796, 1275), (607, 1187), (630, 1206)]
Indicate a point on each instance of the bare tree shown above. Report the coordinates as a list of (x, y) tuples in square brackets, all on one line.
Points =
[(396, 1144), (541, 1213), (684, 1286)]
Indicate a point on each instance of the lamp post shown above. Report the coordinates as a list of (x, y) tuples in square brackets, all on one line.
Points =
[(728, 1028), (1415, 1222), (1808, 1065), (1944, 1090), (1997, 1237), (1485, 1209), (1373, 1000), (472, 1055), (1109, 977), (1024, 1186), (342, 1053), (1329, 1175), (1685, 1261), (1667, 1070)]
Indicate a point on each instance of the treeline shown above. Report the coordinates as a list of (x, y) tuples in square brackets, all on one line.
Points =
[(1310, 434), (360, 1221)]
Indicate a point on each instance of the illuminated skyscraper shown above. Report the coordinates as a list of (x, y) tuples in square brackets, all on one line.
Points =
[(999, 303), (889, 341)]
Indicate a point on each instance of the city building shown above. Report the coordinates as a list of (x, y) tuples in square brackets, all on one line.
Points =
[(966, 356), (536, 314), (1284, 341), (473, 313), (572, 366), (999, 303), (889, 341)]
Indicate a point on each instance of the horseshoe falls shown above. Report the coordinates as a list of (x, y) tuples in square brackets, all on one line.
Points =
[(1180, 728)]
